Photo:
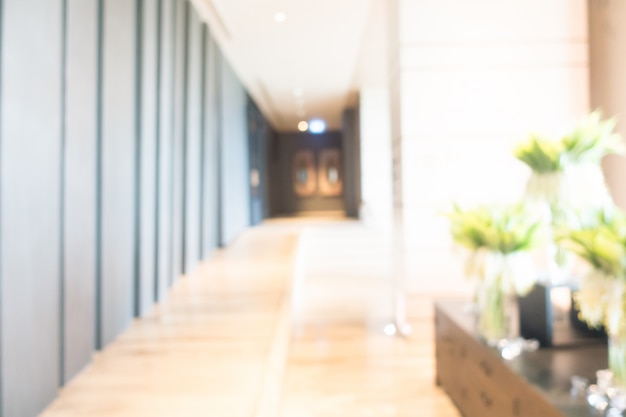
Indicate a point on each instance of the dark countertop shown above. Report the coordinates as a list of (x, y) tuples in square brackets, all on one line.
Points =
[(548, 370)]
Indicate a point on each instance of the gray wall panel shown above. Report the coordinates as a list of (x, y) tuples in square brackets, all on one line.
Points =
[(72, 268), (351, 157), (192, 157), (179, 138), (274, 169), (235, 190), (168, 19), (210, 168), (259, 133), (30, 181), (80, 181), (147, 203), (118, 165)]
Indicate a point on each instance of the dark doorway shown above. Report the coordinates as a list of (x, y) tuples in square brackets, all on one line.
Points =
[(307, 173)]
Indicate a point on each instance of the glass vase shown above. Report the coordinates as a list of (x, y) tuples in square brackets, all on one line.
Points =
[(546, 188), (614, 297), (496, 313), (617, 358), (549, 194)]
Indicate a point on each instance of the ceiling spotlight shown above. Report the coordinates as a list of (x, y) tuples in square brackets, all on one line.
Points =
[(303, 126), (317, 126), (280, 17)]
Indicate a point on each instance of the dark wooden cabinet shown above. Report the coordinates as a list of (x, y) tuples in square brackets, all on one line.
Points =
[(482, 384)]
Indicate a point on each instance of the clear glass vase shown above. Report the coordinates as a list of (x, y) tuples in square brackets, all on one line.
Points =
[(549, 195), (546, 188), (496, 313), (617, 358)]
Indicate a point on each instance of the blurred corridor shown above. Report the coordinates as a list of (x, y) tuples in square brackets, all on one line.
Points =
[(287, 322)]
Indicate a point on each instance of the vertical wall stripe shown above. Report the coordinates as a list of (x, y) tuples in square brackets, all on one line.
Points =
[(99, 162), (172, 134), (119, 150), (211, 203), (157, 193), (220, 133), (184, 121), (62, 192), (138, 150), (235, 189), (178, 142), (165, 135), (2, 382), (79, 240), (203, 138), (193, 141), (147, 111)]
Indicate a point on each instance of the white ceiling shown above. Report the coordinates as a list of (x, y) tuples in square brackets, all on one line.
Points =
[(306, 66)]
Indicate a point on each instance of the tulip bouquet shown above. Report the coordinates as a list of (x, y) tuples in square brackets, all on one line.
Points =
[(601, 298), (498, 240), (566, 177)]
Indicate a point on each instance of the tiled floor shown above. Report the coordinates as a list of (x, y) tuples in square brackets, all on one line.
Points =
[(285, 323)]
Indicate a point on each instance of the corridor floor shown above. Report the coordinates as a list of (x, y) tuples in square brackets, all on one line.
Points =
[(287, 322)]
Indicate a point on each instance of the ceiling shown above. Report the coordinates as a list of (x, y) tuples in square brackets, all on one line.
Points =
[(307, 66)]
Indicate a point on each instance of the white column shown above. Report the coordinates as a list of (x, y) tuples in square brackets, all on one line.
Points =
[(376, 182), (607, 62)]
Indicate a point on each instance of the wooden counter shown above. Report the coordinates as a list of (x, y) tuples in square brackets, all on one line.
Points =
[(482, 384)]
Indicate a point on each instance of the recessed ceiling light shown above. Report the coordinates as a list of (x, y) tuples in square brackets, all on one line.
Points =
[(303, 126), (317, 126), (280, 17)]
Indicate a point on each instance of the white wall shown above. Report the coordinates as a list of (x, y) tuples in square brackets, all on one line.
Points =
[(607, 43), (468, 80)]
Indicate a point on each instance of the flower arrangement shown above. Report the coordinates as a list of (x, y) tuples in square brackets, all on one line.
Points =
[(566, 202), (498, 239), (566, 176), (591, 140), (601, 242), (497, 229), (542, 155), (549, 159), (601, 298)]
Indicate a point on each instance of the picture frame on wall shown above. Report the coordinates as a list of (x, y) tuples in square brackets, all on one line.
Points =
[(303, 175), (330, 178)]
